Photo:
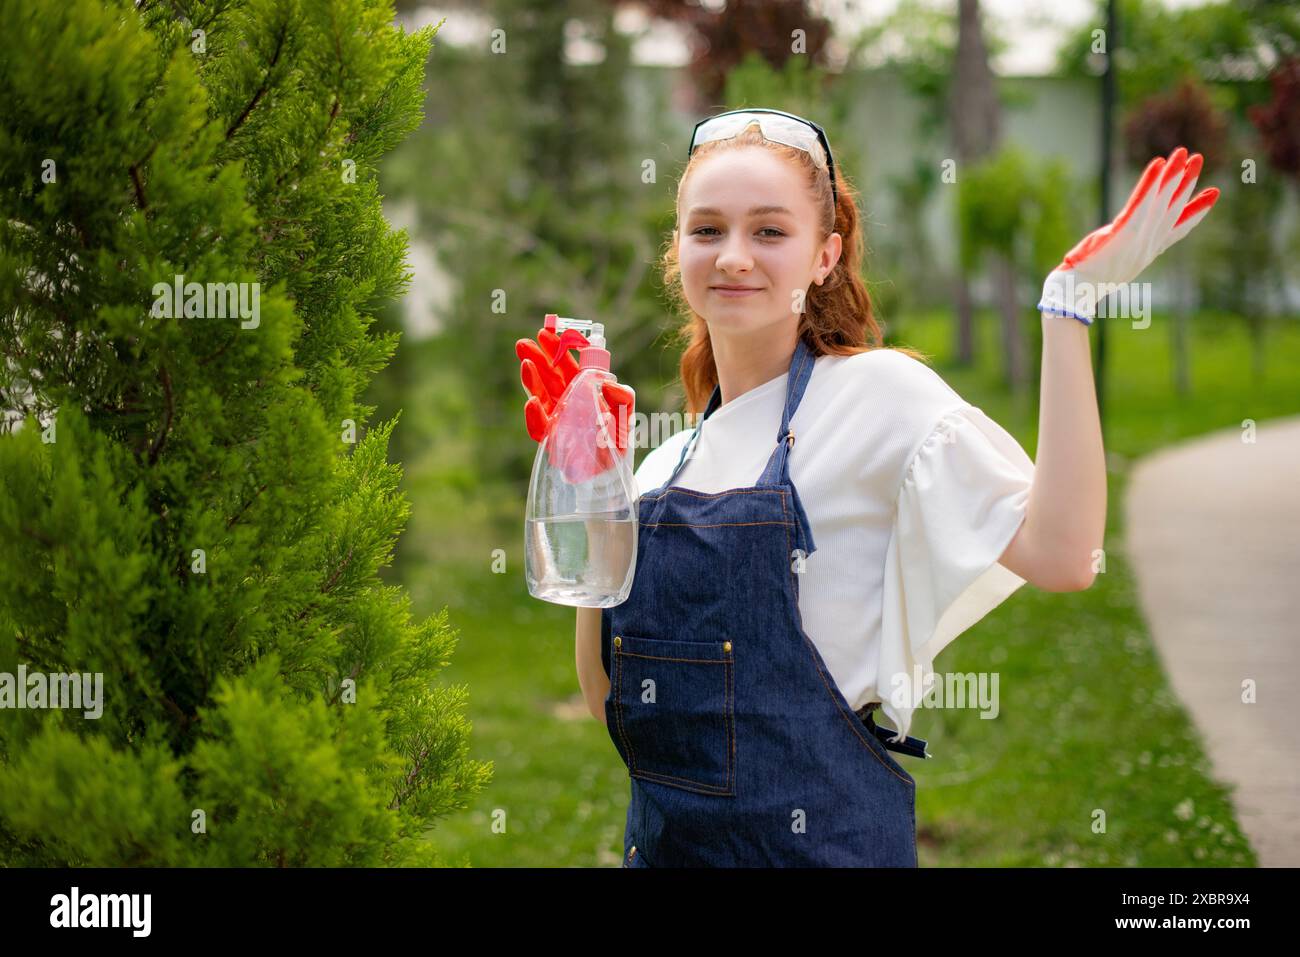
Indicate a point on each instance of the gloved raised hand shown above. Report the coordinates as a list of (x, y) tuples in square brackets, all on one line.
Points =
[(546, 369), (1159, 212)]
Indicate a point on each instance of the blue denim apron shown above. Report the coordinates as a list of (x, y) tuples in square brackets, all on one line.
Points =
[(741, 748)]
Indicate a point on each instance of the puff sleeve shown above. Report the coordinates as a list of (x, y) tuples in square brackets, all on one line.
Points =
[(963, 496)]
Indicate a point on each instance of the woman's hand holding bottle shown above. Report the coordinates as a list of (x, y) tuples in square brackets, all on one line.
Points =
[(546, 370)]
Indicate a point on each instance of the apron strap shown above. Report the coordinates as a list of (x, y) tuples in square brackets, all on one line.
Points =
[(715, 400), (801, 368)]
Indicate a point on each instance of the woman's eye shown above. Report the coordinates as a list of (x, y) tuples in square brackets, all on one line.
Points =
[(765, 229)]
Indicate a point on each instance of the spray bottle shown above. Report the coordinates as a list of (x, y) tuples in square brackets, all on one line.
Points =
[(581, 523)]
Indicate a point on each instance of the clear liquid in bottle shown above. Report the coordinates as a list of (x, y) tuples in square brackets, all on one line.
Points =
[(580, 530)]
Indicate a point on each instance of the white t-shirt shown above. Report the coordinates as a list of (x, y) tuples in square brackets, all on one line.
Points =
[(913, 495)]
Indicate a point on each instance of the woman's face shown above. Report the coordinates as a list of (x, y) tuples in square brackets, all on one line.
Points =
[(776, 252)]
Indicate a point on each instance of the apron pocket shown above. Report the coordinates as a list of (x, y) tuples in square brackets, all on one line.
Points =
[(673, 711)]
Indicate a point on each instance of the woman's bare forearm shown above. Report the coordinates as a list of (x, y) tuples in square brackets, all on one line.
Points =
[(1066, 517), (591, 671)]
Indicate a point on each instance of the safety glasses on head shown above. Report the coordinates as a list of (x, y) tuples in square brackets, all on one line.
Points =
[(777, 126)]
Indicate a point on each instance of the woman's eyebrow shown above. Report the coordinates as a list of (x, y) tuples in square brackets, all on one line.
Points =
[(756, 211)]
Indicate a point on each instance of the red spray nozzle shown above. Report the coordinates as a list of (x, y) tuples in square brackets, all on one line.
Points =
[(592, 353), (571, 338)]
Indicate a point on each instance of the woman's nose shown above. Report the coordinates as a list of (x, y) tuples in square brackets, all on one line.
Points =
[(734, 255)]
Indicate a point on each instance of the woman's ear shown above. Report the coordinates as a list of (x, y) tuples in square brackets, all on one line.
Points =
[(834, 246)]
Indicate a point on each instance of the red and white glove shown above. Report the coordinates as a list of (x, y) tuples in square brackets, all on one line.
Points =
[(1157, 215)]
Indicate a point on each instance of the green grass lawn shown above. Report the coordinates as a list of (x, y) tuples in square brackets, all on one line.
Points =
[(1088, 734)]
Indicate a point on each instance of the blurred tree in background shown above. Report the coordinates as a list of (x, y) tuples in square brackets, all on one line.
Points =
[(1016, 208), (1229, 42), (1278, 120), (1278, 124), (1184, 116), (1156, 126), (975, 121), (723, 36), (916, 43), (942, 53)]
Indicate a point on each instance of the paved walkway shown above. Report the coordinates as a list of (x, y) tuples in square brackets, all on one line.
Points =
[(1213, 530)]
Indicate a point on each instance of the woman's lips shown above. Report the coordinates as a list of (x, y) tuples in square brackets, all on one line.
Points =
[(734, 293)]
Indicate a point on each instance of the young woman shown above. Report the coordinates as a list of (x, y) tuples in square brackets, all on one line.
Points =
[(837, 517)]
